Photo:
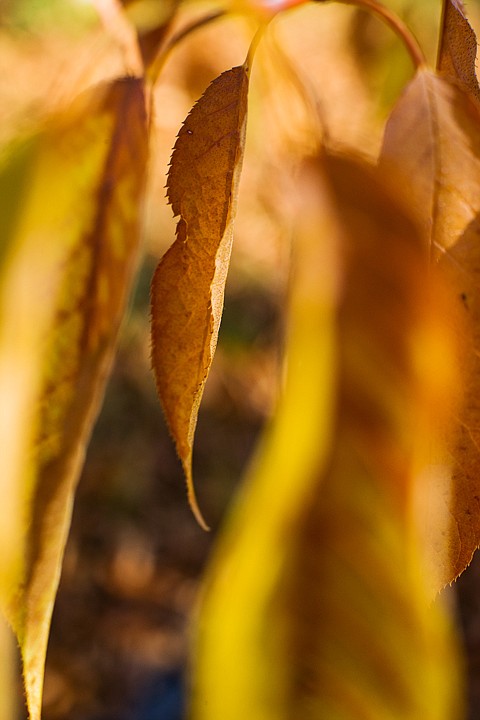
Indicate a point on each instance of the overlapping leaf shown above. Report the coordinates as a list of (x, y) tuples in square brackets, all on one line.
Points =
[(432, 140), (314, 607), (77, 237), (188, 285)]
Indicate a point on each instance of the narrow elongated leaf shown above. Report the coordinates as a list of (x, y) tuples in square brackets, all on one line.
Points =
[(432, 140), (458, 48), (314, 607), (188, 285), (81, 217)]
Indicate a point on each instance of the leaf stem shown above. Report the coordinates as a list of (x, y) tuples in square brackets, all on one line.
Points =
[(255, 43), (396, 24), (164, 53)]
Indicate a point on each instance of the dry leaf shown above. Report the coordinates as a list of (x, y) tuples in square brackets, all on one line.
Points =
[(81, 215), (457, 51), (188, 285), (432, 140), (314, 606)]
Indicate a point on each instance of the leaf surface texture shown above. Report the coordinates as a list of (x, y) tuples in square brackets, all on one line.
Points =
[(188, 285), (458, 48)]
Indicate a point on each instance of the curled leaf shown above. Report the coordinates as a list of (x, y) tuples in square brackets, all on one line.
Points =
[(188, 285)]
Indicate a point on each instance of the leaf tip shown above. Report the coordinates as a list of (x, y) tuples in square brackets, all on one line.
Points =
[(192, 498), (197, 513)]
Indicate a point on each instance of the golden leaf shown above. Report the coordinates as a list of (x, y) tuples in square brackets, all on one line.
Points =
[(188, 285), (21, 326), (432, 140), (80, 226), (314, 605)]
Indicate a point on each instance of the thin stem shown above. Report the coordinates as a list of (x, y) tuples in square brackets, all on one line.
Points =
[(302, 86), (396, 24), (441, 34), (164, 53), (254, 44)]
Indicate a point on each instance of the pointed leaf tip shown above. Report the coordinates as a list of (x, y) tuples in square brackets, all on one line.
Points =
[(188, 285)]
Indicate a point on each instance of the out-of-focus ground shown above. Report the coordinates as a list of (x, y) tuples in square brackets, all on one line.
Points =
[(135, 556)]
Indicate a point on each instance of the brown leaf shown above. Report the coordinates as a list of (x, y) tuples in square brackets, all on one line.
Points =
[(432, 140), (457, 50), (84, 202), (188, 285)]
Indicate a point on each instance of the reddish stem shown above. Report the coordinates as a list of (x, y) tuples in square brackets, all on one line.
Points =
[(395, 23)]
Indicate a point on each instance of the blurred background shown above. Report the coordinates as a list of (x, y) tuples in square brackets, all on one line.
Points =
[(134, 561)]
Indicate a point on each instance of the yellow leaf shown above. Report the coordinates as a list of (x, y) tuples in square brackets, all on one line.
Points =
[(432, 140), (236, 673), (77, 241), (21, 328), (188, 285), (314, 606), (457, 51)]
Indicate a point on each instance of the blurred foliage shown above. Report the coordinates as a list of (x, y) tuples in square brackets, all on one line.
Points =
[(39, 16), (135, 557)]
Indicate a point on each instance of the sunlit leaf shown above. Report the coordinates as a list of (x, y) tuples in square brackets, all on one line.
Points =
[(188, 285), (432, 140), (314, 606), (77, 240), (458, 48), (21, 326)]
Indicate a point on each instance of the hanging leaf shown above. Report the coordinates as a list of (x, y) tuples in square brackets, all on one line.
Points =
[(432, 140), (314, 606), (458, 48), (188, 285), (77, 238)]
